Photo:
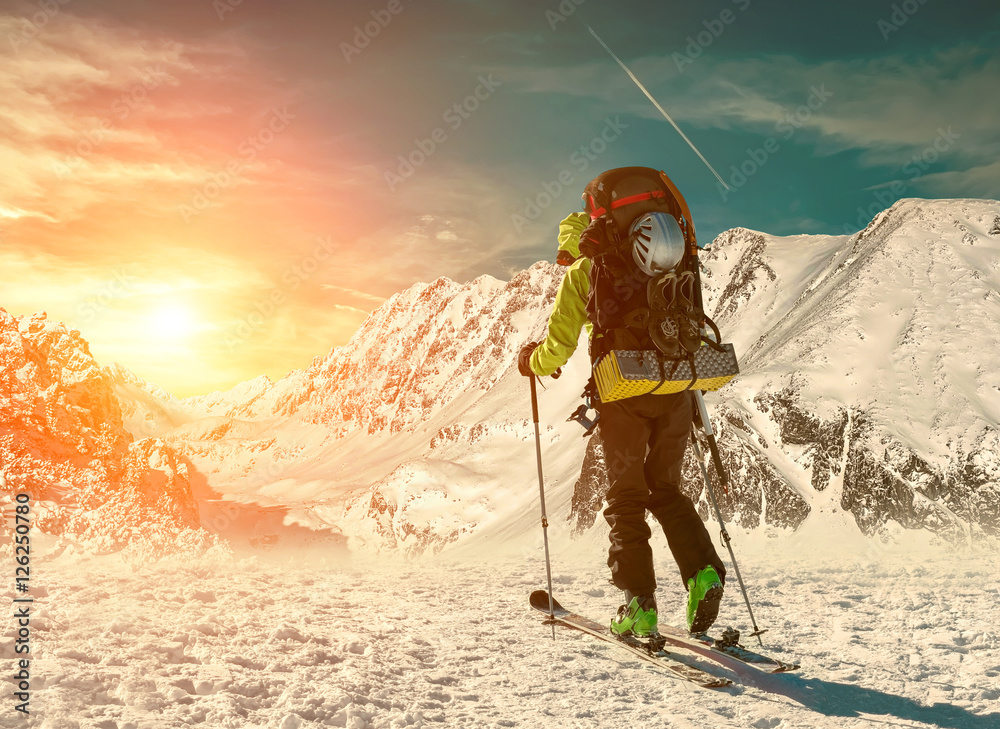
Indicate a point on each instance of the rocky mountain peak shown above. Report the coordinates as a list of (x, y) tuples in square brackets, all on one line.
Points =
[(52, 388), (63, 440)]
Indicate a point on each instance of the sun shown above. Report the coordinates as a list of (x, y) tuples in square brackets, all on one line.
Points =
[(172, 320)]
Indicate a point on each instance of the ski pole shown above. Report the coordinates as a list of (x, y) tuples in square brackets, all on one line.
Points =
[(706, 425), (541, 495)]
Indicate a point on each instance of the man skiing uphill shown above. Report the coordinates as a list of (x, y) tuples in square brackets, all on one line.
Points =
[(633, 240)]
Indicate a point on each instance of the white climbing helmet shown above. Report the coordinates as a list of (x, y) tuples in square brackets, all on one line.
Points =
[(657, 243)]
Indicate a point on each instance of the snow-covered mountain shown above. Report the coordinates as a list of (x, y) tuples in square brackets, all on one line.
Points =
[(869, 378), (867, 383), (63, 441), (867, 391), (405, 437), (866, 396)]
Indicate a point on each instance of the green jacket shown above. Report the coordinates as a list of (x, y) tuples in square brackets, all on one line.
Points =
[(569, 313)]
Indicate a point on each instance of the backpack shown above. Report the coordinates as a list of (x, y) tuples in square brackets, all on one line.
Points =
[(650, 326)]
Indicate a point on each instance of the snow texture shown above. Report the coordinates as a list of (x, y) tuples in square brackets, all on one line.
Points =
[(904, 637)]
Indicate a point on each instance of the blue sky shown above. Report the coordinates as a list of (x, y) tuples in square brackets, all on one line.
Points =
[(421, 139), (882, 92)]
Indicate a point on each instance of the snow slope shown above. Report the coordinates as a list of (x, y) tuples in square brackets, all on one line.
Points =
[(866, 405), (897, 637), (869, 362)]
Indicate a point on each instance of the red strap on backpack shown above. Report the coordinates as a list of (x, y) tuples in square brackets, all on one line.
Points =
[(622, 202)]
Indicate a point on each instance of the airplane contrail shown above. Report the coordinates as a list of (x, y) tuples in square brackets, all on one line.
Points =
[(657, 105)]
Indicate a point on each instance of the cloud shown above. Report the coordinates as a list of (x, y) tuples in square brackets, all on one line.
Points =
[(469, 233), (353, 292), (92, 112), (978, 181), (15, 213), (887, 106), (66, 98), (350, 309)]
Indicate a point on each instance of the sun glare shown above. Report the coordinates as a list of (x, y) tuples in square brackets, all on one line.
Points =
[(174, 321)]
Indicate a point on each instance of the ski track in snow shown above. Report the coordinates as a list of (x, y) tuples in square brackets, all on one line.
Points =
[(886, 638)]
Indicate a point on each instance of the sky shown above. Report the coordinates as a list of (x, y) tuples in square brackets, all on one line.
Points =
[(211, 190)]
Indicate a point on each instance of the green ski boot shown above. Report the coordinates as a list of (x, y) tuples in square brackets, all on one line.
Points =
[(638, 618), (704, 597)]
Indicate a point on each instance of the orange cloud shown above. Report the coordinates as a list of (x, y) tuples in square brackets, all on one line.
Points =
[(206, 179)]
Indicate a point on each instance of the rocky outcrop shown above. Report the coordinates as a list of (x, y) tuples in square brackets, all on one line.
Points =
[(62, 440), (590, 488), (751, 266), (425, 347), (402, 513), (885, 480), (823, 440), (755, 491)]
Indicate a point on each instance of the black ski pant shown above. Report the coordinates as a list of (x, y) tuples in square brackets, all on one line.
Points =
[(644, 442)]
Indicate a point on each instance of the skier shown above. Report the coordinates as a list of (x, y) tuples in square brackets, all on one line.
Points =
[(644, 439)]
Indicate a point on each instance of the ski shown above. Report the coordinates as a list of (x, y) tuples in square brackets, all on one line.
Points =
[(649, 652), (728, 645)]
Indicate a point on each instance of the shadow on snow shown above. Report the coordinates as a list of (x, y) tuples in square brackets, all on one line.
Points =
[(840, 699)]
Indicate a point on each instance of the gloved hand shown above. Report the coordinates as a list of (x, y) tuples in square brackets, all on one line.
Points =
[(565, 258), (524, 359), (596, 237)]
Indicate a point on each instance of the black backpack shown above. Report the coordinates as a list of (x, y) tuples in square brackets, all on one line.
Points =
[(631, 310)]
